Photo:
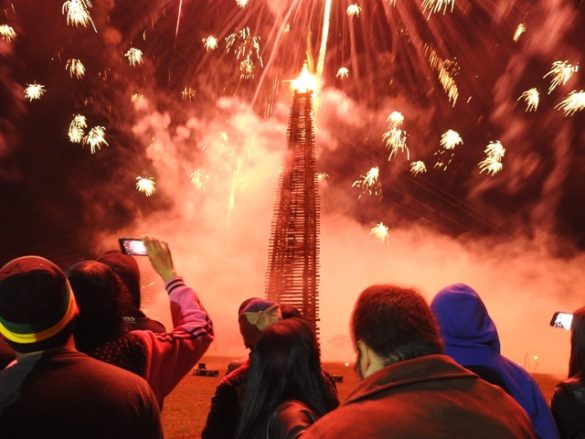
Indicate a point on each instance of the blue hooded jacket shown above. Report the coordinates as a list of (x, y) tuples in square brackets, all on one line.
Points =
[(471, 339)]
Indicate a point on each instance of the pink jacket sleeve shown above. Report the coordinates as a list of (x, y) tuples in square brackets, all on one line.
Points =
[(170, 356)]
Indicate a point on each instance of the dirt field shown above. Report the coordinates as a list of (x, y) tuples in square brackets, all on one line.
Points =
[(186, 408)]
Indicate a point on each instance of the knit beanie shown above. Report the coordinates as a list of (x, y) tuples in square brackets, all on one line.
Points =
[(37, 306), (255, 315), (126, 268)]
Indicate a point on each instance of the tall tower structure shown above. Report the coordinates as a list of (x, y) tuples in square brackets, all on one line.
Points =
[(293, 257)]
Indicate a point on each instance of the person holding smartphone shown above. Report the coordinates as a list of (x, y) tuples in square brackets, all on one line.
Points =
[(568, 401), (162, 359)]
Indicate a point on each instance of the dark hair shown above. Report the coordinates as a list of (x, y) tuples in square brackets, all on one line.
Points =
[(126, 268), (396, 323), (577, 359), (285, 366), (100, 297)]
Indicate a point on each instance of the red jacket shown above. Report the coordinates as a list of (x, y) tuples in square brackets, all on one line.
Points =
[(429, 397)]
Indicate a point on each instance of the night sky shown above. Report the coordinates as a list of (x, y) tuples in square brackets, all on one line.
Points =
[(56, 198)]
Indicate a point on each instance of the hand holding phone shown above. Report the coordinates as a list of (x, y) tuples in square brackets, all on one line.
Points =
[(160, 257), (562, 320)]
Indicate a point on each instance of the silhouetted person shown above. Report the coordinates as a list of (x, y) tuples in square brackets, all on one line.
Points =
[(7, 354), (162, 359), (53, 390), (568, 402), (127, 270), (254, 315), (471, 339), (410, 389), (286, 391)]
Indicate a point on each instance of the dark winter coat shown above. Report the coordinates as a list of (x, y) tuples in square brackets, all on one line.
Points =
[(429, 397)]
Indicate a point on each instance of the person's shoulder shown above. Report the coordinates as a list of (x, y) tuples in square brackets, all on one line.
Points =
[(237, 376)]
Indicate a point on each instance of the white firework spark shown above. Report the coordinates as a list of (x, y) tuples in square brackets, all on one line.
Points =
[(561, 72), (495, 150), (75, 68), (574, 102), (418, 168), (369, 182), (446, 71), (7, 32), (380, 231), (77, 12), (146, 185), (134, 56), (532, 99), (188, 93), (395, 139), (519, 31), (322, 176), (34, 91), (199, 179), (210, 42), (77, 128), (242, 3), (436, 6), (342, 73), (246, 48), (396, 119), (353, 10), (490, 165), (450, 139), (95, 138)]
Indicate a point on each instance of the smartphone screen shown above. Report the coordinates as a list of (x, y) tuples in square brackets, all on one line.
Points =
[(562, 320), (132, 246)]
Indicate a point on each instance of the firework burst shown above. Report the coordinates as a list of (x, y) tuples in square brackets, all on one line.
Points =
[(75, 68), (146, 185), (246, 48), (353, 10), (7, 33), (492, 164), (34, 91), (242, 3), (342, 73), (77, 128), (188, 93), (519, 31), (396, 119), (446, 71), (418, 167), (532, 99), (450, 139), (574, 102), (134, 56), (77, 12), (436, 6), (380, 231), (96, 138), (210, 43), (560, 73), (369, 183), (395, 139)]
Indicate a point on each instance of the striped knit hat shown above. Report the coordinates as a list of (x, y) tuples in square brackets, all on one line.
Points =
[(37, 306)]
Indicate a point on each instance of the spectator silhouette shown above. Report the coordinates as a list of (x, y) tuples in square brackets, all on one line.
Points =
[(53, 390), (162, 359), (471, 339), (127, 270), (409, 388), (254, 315), (286, 391), (568, 402)]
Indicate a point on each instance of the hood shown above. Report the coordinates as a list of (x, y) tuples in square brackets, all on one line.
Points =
[(127, 270), (463, 319)]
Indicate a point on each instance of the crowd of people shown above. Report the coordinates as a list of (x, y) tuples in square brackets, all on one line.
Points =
[(79, 359)]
